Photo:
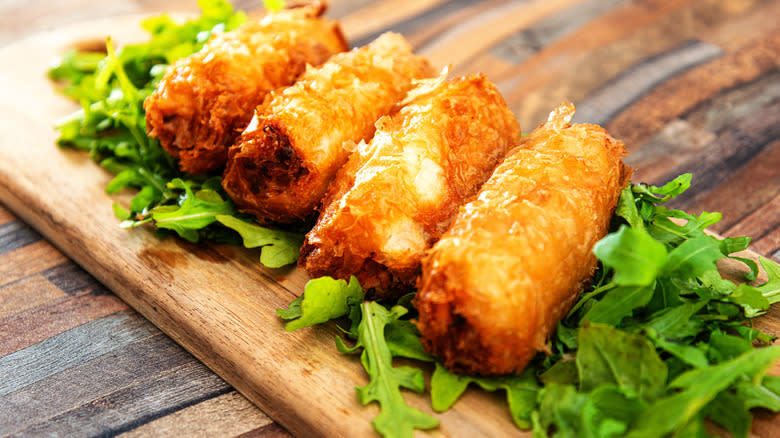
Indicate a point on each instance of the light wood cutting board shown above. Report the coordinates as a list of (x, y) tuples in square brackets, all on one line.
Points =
[(216, 301)]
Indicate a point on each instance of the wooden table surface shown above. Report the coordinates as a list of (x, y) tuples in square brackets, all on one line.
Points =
[(689, 85)]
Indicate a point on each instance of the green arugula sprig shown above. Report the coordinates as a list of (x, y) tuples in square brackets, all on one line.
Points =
[(111, 126), (658, 344), (396, 418)]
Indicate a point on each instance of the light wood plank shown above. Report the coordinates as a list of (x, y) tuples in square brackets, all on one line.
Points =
[(227, 415), (30, 260), (459, 44), (26, 294), (5, 215), (382, 14)]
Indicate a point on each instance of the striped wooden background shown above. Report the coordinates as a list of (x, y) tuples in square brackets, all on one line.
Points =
[(689, 85)]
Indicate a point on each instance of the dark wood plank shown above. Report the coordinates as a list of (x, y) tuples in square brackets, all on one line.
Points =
[(37, 324), (72, 279), (574, 65), (739, 196), (764, 226), (604, 103), (51, 394), (682, 94), (15, 234), (132, 406), (72, 348), (722, 157)]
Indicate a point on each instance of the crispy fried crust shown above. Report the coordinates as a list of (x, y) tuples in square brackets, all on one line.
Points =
[(397, 195), (280, 167), (205, 100), (515, 259)]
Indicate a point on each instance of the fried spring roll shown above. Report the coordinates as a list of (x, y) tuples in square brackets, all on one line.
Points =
[(516, 257), (205, 100), (281, 166), (397, 194)]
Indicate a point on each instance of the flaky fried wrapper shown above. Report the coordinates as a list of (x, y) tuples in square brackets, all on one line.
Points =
[(515, 259), (397, 194), (205, 100), (281, 166)]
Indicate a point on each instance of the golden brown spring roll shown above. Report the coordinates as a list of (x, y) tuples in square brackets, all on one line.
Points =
[(205, 100), (516, 257), (397, 194), (281, 166)]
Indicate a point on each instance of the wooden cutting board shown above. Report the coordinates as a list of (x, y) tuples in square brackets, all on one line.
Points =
[(217, 301)]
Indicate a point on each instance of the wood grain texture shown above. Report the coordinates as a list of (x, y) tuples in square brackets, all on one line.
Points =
[(684, 92), (235, 416), (689, 85)]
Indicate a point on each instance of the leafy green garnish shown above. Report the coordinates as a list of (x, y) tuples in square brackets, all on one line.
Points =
[(279, 248), (521, 391), (111, 126), (396, 418), (323, 299)]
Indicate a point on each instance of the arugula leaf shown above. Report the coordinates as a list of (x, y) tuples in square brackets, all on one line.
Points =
[(560, 411), (323, 299), (693, 257), (396, 418), (279, 248), (627, 209), (521, 391), (731, 412), (665, 193), (610, 356), (609, 411), (195, 211), (633, 254), (699, 387), (770, 289), (619, 303), (403, 339), (750, 299)]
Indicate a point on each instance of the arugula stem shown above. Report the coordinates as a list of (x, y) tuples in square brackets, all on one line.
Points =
[(192, 216)]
